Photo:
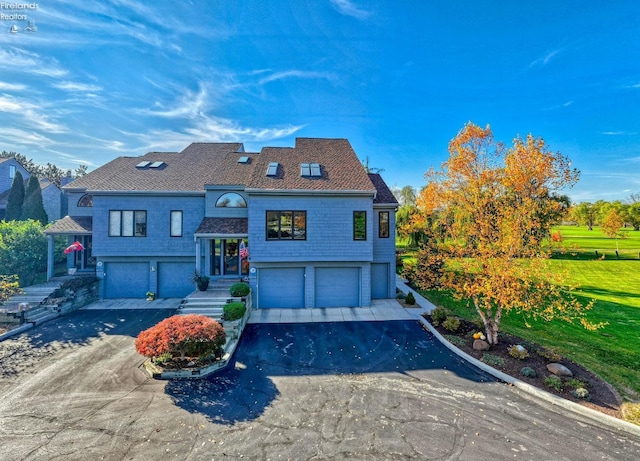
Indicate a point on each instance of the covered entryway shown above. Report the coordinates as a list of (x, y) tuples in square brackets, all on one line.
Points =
[(379, 280), (126, 280), (337, 287), (175, 279), (281, 287)]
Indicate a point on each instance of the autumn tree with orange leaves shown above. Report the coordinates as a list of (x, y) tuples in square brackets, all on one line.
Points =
[(494, 207)]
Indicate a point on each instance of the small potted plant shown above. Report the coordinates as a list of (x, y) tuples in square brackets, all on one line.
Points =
[(151, 296), (201, 281)]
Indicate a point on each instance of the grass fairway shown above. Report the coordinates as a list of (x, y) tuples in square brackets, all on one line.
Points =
[(612, 352), (585, 243)]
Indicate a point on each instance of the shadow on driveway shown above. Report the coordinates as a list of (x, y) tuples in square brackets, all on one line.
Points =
[(246, 389)]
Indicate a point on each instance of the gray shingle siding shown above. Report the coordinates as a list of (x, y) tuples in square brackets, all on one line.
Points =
[(329, 229), (158, 241)]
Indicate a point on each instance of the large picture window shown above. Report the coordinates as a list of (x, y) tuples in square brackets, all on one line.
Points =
[(359, 225), (176, 223), (286, 225), (127, 223), (383, 224)]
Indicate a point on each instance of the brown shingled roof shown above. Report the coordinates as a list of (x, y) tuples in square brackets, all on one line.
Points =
[(202, 164), (384, 194), (223, 226), (71, 225), (339, 165), (190, 170)]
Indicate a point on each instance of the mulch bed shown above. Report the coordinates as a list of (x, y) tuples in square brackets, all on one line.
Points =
[(602, 395)]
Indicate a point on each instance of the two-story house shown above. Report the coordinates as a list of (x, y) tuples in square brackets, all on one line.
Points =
[(306, 225)]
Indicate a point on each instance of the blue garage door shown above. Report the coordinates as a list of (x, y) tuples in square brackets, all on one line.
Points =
[(379, 281), (337, 287), (126, 280), (282, 287), (175, 280)]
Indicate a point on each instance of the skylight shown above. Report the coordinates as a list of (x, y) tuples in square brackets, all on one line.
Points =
[(156, 164), (143, 164), (310, 170), (273, 169), (243, 159)]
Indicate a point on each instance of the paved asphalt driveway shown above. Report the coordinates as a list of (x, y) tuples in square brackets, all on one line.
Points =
[(72, 390)]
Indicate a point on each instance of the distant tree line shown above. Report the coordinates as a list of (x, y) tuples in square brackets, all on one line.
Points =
[(601, 212), (411, 221)]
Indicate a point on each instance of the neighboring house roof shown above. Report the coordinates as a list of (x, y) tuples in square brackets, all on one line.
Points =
[(72, 225), (46, 182), (202, 164), (384, 194), (223, 226)]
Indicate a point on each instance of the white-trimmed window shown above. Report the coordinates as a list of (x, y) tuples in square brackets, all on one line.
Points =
[(176, 223), (127, 223)]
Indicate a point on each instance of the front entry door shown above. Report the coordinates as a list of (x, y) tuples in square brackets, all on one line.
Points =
[(231, 259), (225, 257)]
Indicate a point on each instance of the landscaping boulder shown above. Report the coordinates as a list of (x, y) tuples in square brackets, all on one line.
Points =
[(480, 345), (559, 370)]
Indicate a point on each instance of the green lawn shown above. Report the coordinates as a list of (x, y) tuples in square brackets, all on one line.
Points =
[(612, 352), (586, 242)]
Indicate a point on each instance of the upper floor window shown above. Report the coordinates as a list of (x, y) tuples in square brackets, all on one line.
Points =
[(359, 225), (231, 200), (12, 171), (383, 224), (286, 225), (127, 223), (85, 201), (176, 224)]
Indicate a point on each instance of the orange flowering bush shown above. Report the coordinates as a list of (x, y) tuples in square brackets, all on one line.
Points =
[(181, 336)]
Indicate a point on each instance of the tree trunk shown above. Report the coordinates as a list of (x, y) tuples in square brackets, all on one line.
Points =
[(491, 324)]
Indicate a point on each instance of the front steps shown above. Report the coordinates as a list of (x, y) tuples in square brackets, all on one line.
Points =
[(35, 296), (210, 302)]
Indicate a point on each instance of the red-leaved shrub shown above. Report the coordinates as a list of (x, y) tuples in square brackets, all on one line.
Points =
[(190, 335)]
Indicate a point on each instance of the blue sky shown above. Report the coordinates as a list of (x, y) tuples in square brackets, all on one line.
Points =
[(399, 79)]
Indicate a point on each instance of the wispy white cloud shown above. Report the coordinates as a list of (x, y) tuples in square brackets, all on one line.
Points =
[(349, 8), (77, 87), (189, 105), (619, 133), (544, 60), (5, 86), (209, 129), (302, 74), (17, 59), (16, 136), (30, 114)]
